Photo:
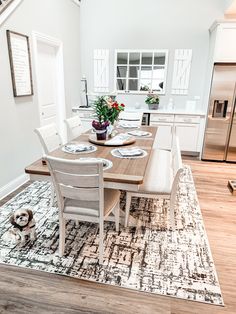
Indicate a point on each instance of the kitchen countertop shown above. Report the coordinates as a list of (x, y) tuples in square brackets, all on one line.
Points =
[(160, 111)]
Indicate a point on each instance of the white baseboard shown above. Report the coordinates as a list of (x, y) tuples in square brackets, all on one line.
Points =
[(13, 185)]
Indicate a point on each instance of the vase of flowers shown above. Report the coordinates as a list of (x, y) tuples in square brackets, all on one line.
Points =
[(152, 100), (107, 111), (100, 128)]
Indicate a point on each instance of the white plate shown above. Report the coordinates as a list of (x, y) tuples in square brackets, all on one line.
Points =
[(78, 148), (107, 164), (140, 133), (129, 152)]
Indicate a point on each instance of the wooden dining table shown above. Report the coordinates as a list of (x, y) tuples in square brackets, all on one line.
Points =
[(125, 174)]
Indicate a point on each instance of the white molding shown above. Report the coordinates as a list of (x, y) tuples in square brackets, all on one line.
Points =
[(77, 2), (8, 11), (58, 45), (13, 185)]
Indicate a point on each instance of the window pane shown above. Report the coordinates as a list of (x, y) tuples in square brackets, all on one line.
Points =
[(147, 58), (159, 58), (122, 58), (133, 71), (145, 85), (121, 84), (121, 71), (146, 72), (158, 72), (133, 84), (157, 85), (134, 58)]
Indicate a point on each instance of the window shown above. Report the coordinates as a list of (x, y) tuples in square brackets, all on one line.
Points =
[(138, 71)]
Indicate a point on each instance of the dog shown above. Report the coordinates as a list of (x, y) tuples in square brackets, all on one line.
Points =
[(23, 225)]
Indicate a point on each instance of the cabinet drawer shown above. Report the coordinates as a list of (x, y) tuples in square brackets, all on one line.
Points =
[(161, 117), (187, 119)]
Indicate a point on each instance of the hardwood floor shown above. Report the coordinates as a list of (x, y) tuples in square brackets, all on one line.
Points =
[(27, 291)]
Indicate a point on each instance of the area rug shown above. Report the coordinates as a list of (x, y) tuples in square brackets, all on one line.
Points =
[(147, 258)]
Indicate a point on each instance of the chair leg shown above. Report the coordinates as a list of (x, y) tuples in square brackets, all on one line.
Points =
[(117, 216), (52, 195), (77, 223), (127, 207), (101, 249), (62, 231)]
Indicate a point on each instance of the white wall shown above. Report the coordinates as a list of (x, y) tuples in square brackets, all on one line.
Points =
[(19, 116), (150, 24)]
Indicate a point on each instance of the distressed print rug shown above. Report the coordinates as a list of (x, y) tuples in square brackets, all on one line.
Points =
[(147, 258)]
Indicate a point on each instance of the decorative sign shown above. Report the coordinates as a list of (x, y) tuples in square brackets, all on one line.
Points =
[(101, 70), (181, 73), (19, 54)]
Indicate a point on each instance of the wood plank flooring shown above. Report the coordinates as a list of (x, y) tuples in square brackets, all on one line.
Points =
[(27, 291)]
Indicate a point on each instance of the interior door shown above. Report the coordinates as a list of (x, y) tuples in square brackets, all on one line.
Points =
[(47, 84)]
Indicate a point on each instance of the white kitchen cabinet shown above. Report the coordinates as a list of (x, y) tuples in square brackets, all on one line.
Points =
[(188, 136), (223, 39), (163, 137), (225, 49), (186, 127)]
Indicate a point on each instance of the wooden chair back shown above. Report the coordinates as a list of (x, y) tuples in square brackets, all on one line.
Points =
[(176, 155), (74, 127), (49, 137), (177, 166), (78, 180), (132, 117)]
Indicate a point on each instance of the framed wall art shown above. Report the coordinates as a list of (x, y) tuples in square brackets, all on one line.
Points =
[(20, 63)]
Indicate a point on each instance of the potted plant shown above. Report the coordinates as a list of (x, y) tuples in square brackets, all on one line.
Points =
[(152, 100), (107, 111)]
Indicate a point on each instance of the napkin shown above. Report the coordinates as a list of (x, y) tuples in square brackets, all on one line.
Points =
[(129, 152), (118, 139)]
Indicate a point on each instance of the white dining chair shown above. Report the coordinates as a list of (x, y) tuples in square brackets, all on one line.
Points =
[(131, 117), (50, 140), (74, 127), (161, 179), (81, 195)]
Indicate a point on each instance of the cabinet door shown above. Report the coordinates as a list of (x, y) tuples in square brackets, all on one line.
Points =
[(188, 136), (225, 50), (163, 137)]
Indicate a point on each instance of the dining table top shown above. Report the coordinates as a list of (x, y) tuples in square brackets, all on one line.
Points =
[(123, 170)]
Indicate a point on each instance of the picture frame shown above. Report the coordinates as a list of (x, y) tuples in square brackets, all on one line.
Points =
[(20, 64)]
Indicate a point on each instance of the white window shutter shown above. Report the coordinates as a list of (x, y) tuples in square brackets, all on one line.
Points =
[(181, 73), (101, 70)]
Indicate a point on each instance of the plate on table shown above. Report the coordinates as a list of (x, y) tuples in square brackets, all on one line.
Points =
[(107, 164), (133, 152), (128, 125), (77, 148), (140, 133)]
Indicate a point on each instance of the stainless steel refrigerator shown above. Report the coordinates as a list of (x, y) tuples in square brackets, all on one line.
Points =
[(220, 133)]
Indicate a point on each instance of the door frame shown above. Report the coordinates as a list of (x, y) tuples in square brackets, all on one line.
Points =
[(60, 88)]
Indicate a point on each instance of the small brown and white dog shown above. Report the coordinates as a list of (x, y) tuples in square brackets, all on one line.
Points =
[(23, 225)]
